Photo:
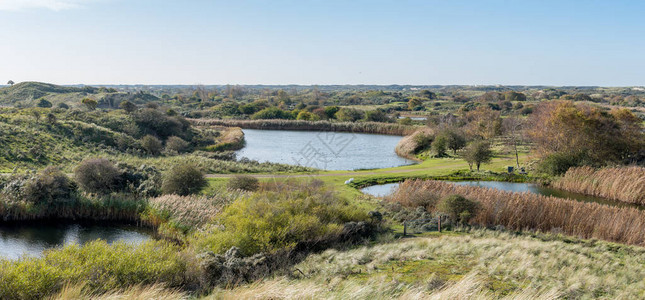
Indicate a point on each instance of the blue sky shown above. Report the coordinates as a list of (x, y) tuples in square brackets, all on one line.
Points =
[(323, 42)]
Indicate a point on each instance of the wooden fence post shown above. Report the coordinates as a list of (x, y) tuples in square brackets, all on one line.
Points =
[(439, 223), (405, 228)]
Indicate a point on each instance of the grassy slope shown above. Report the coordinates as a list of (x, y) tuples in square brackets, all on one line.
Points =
[(481, 264)]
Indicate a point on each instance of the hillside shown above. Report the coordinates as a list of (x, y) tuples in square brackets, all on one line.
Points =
[(27, 94)]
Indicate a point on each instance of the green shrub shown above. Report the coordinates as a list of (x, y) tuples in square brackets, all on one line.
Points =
[(243, 182), (97, 175), (176, 144), (183, 180), (273, 220), (98, 266), (151, 144), (458, 208), (558, 163), (43, 103), (48, 186)]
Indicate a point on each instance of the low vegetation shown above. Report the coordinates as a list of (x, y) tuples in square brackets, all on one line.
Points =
[(480, 264), (626, 184)]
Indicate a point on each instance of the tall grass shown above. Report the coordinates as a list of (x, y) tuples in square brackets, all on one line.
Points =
[(114, 207), (520, 211), (138, 292), (411, 144), (175, 216), (358, 127), (626, 184)]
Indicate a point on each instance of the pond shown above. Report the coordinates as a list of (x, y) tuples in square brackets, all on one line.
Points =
[(519, 187), (322, 150), (32, 239)]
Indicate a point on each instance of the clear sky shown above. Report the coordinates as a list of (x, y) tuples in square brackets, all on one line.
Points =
[(323, 42)]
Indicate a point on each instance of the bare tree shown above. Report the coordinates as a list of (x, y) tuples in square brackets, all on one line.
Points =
[(513, 126)]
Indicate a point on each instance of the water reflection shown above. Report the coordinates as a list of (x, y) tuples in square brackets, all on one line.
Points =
[(32, 239)]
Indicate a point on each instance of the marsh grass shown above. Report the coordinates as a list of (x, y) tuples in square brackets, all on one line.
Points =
[(357, 127), (526, 211), (626, 184), (96, 266), (81, 206)]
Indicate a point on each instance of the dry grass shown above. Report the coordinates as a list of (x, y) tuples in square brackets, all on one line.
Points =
[(520, 211), (626, 184), (408, 145), (76, 292), (482, 264), (358, 127), (188, 211)]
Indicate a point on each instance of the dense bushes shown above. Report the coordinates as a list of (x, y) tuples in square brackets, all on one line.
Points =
[(183, 179), (176, 144), (272, 113), (278, 217), (48, 186), (151, 144), (243, 182), (559, 162), (97, 175)]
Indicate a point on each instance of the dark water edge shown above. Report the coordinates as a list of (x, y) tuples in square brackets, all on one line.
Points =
[(19, 239)]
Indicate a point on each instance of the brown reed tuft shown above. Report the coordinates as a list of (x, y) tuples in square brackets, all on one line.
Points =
[(526, 211)]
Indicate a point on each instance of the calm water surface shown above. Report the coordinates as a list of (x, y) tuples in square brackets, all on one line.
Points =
[(17, 240), (322, 150), (386, 189)]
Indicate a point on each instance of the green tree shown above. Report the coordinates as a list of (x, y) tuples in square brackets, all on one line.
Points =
[(439, 146), (44, 103), (10, 82), (478, 152), (89, 103), (455, 140), (413, 103), (128, 106)]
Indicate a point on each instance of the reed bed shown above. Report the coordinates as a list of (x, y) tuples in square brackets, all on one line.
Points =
[(626, 184), (410, 144), (525, 211), (357, 127), (117, 207)]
